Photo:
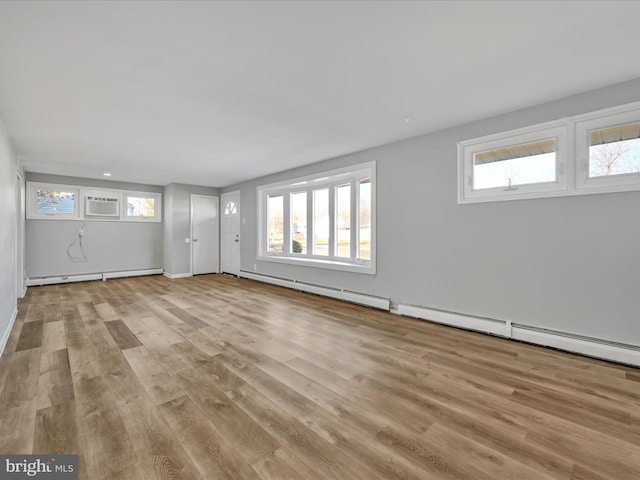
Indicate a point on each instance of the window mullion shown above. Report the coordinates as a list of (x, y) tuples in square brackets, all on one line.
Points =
[(332, 221), (310, 222), (286, 223), (354, 220)]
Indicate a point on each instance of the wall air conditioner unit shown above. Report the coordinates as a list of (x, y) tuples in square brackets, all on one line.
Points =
[(102, 206)]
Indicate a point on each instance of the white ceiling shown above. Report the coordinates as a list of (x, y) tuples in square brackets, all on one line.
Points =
[(214, 93)]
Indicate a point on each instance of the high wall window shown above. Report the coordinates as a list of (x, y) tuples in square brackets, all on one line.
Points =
[(142, 206), (65, 202), (326, 220), (598, 152), (513, 165)]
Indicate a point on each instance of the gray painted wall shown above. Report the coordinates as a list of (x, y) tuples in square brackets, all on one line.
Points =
[(570, 263), (8, 220), (177, 255), (110, 246)]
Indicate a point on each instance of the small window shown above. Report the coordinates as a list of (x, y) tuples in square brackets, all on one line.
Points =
[(527, 163), (142, 207), (52, 201), (55, 202), (608, 151), (230, 208), (539, 161)]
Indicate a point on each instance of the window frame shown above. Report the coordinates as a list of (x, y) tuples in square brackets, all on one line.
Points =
[(573, 159), (352, 175), (157, 206), (608, 183), (32, 203), (81, 193), (467, 149)]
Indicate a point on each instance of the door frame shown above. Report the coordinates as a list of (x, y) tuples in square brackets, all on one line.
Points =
[(20, 284), (191, 196), (227, 194)]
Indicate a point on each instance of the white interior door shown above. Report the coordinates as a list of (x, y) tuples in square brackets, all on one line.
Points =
[(205, 244), (230, 246)]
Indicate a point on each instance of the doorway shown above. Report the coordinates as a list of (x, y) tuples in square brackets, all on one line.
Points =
[(230, 238), (204, 234)]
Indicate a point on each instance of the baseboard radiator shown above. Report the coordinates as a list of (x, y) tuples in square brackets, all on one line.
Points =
[(35, 281), (589, 346), (340, 294)]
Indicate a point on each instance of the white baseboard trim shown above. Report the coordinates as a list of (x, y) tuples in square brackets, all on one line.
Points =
[(7, 332), (90, 276), (487, 325), (591, 347), (340, 294), (173, 276)]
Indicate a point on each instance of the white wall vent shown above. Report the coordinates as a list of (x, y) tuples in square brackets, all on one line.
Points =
[(102, 206)]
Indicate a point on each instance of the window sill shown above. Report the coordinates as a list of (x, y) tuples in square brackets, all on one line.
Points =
[(367, 269)]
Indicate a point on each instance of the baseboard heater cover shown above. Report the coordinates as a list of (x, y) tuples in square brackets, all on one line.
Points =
[(589, 346), (592, 347), (34, 281), (340, 294), (481, 324)]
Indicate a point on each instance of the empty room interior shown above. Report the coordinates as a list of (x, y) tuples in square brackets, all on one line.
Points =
[(278, 240)]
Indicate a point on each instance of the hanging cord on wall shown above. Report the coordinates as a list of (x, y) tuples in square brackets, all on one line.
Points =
[(78, 238)]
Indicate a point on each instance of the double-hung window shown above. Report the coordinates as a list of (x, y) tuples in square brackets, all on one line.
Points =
[(325, 220)]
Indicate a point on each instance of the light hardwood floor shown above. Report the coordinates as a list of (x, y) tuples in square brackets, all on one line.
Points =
[(214, 377)]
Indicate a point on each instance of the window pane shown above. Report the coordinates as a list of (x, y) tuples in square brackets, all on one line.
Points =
[(55, 202), (321, 222), (364, 247), (275, 224), (299, 222), (614, 150), (343, 221), (230, 208), (141, 207), (515, 165)]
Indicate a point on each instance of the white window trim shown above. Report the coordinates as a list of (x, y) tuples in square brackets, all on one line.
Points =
[(309, 183), (157, 206), (32, 187), (572, 158), (81, 193), (611, 183), (467, 149)]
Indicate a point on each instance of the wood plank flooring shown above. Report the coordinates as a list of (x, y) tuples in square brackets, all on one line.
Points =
[(214, 377)]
